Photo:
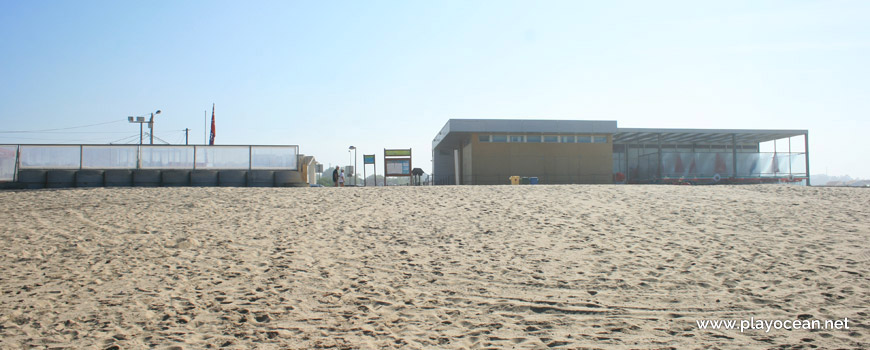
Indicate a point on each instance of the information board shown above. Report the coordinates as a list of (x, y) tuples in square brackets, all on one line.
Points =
[(397, 162), (368, 159), (398, 167)]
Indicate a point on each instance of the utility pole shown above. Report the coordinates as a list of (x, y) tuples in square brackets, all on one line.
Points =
[(186, 130), (354, 163), (151, 126)]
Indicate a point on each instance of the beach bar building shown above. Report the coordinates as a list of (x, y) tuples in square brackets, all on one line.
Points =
[(491, 151)]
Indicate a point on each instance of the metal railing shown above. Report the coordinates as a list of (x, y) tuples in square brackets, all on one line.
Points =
[(709, 165)]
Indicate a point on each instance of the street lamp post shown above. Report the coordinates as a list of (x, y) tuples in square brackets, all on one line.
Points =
[(151, 125), (141, 120), (354, 164)]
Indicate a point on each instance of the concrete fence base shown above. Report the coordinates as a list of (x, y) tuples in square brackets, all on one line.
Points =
[(90, 178), (146, 178), (261, 178), (204, 178), (32, 179), (119, 178), (232, 178), (60, 178), (175, 178)]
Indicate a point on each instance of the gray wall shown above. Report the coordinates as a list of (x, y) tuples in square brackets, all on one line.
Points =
[(467, 163), (442, 171)]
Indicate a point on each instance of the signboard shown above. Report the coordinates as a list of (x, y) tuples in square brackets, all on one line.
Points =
[(397, 162), (398, 167), (369, 159), (397, 153)]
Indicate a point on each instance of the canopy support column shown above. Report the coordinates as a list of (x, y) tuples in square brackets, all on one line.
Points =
[(734, 156), (659, 170), (807, 154), (455, 165)]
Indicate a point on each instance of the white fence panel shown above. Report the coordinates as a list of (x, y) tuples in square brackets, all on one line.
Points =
[(50, 157), (110, 157)]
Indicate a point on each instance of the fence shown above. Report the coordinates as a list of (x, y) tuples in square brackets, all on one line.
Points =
[(15, 157), (708, 165)]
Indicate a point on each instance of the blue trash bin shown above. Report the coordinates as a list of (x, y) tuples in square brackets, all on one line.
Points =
[(533, 180)]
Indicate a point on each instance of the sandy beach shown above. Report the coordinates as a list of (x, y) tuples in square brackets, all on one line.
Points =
[(525, 267)]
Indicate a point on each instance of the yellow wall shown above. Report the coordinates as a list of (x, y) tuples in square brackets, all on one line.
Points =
[(552, 163)]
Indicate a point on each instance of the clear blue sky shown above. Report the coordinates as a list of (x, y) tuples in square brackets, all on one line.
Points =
[(388, 74)]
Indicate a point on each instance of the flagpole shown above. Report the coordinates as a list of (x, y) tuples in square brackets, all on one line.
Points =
[(212, 135)]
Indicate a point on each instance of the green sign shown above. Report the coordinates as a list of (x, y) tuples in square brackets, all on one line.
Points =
[(397, 153), (368, 159)]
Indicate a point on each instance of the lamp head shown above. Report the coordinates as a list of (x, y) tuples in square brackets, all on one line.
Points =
[(158, 112)]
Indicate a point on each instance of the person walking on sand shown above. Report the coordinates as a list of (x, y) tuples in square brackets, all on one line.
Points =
[(341, 178), (335, 177)]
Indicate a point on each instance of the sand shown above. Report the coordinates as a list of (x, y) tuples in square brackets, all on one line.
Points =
[(524, 267)]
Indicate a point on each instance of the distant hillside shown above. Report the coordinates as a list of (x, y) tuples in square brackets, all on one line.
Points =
[(843, 180)]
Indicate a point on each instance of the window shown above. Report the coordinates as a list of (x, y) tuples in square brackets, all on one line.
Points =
[(533, 138), (551, 138), (567, 139), (516, 138), (599, 139), (584, 139), (499, 138), (483, 138)]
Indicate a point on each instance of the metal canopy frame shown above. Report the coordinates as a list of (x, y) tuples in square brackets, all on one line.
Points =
[(658, 138), (701, 136)]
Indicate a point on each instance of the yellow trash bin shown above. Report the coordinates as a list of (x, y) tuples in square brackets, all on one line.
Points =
[(515, 180)]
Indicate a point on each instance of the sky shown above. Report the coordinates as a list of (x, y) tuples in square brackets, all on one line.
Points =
[(389, 74)]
